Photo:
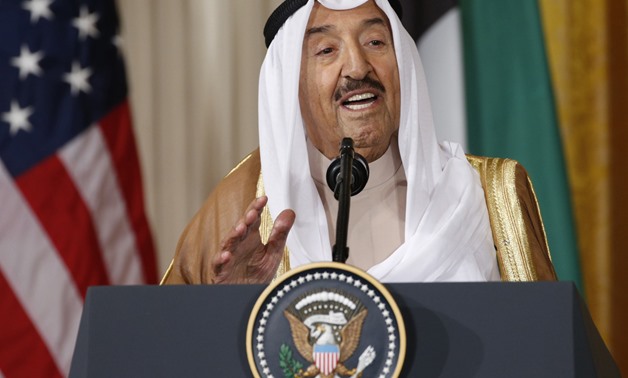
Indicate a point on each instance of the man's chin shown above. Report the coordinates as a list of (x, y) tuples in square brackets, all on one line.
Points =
[(372, 145), (372, 153)]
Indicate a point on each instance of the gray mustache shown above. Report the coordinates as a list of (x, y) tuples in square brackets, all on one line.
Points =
[(353, 85)]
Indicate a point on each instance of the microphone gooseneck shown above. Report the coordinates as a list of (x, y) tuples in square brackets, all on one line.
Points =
[(346, 176)]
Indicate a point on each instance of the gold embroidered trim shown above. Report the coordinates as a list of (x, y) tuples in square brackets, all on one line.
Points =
[(240, 164), (266, 226), (506, 218), (167, 274)]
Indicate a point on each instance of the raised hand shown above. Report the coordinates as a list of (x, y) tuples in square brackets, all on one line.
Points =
[(243, 258)]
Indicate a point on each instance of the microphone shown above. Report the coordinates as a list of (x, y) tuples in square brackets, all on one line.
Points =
[(359, 170), (346, 176)]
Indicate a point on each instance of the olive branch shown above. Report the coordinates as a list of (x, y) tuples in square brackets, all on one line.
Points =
[(288, 364)]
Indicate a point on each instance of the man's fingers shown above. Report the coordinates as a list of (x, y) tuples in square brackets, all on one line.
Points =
[(285, 220), (234, 237), (219, 260), (242, 227), (260, 202), (257, 204), (224, 257), (251, 217), (243, 257), (281, 228)]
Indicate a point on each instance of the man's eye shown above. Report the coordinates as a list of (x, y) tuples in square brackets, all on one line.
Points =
[(376, 43), (325, 51)]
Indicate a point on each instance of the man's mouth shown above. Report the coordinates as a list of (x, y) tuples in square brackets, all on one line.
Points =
[(360, 101)]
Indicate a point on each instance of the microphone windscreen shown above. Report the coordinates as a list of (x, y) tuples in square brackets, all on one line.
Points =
[(359, 174)]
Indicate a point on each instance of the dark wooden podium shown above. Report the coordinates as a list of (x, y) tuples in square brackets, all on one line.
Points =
[(453, 330)]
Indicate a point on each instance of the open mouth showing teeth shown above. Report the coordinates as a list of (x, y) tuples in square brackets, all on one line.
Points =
[(360, 101)]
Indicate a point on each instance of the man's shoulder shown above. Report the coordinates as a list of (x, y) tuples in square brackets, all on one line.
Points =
[(243, 176), (518, 231), (483, 163), (237, 189), (495, 170), (246, 168)]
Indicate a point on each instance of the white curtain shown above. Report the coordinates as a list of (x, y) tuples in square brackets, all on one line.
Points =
[(193, 69)]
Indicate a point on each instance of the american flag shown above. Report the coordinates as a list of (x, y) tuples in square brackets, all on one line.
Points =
[(71, 202)]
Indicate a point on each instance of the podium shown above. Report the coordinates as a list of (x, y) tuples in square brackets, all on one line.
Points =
[(537, 329)]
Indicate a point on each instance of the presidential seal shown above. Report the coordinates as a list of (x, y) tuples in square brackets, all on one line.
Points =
[(326, 320)]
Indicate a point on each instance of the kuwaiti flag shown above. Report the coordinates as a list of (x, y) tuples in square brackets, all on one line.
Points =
[(71, 203), (490, 88)]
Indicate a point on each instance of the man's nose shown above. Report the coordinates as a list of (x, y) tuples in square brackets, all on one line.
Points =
[(356, 65)]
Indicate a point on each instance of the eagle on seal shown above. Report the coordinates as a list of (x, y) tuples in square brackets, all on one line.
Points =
[(321, 336)]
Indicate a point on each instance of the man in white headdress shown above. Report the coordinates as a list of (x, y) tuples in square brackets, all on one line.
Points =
[(347, 68)]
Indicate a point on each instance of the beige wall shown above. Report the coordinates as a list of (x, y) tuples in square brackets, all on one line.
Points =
[(193, 68)]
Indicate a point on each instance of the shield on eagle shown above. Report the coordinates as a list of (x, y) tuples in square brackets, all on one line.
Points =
[(326, 357)]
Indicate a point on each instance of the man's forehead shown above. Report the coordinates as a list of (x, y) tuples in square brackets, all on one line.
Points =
[(286, 9), (323, 28), (323, 19)]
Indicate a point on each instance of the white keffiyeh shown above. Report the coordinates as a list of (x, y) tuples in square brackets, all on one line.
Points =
[(447, 231)]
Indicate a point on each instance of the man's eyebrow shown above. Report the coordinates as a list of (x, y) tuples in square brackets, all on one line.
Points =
[(375, 21), (318, 29)]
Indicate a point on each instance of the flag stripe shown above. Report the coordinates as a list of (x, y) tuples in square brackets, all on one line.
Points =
[(324, 360), (22, 351), (87, 161), (38, 276), (66, 220), (511, 111), (118, 134), (72, 199)]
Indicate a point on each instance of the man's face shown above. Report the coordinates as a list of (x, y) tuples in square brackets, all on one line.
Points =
[(349, 84)]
